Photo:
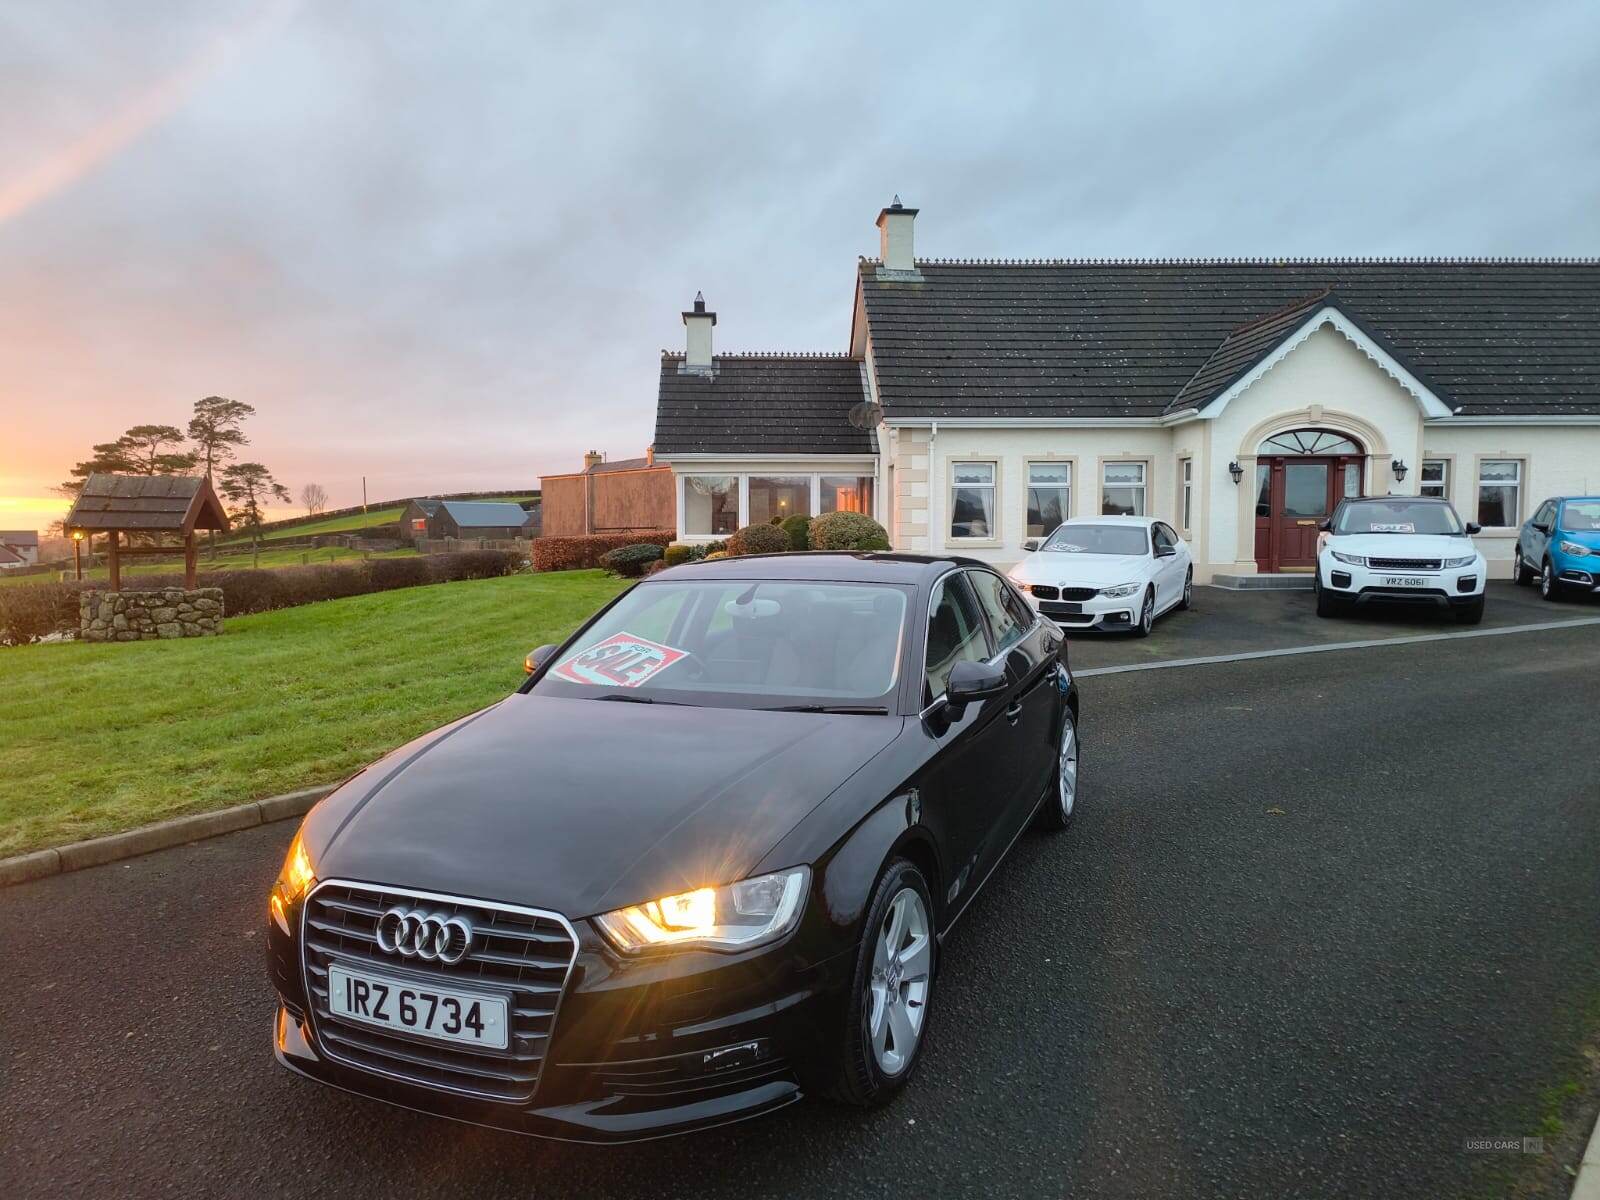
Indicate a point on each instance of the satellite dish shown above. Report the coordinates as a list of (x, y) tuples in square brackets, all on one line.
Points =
[(866, 415)]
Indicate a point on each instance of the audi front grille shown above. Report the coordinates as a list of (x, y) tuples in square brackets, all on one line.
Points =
[(525, 952), (1403, 564)]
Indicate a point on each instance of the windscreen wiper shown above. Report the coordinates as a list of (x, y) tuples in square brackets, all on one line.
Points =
[(634, 698), (855, 710)]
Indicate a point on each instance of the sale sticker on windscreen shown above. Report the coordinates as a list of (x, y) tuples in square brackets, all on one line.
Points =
[(621, 660)]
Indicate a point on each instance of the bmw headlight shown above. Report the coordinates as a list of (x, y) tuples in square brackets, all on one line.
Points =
[(1355, 560), (734, 917), (1120, 590), (1575, 550), (296, 878), (1466, 560)]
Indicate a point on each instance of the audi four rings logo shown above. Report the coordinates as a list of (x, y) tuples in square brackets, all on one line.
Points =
[(432, 937)]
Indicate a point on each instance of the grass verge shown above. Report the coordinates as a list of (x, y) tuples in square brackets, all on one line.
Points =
[(101, 738)]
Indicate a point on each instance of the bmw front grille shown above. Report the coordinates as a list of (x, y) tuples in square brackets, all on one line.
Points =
[(525, 952)]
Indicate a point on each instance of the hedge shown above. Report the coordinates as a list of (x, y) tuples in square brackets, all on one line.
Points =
[(31, 612), (584, 550), (847, 531), (798, 527), (758, 539), (631, 561)]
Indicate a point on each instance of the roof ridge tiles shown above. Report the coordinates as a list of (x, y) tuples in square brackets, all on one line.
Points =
[(1269, 260)]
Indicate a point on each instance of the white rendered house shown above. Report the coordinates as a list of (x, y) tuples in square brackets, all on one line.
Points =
[(979, 403)]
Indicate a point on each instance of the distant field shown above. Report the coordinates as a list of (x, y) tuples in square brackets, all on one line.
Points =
[(284, 556), (346, 524), (105, 737)]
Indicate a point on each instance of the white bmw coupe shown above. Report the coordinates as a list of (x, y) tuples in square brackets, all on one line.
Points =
[(1107, 573)]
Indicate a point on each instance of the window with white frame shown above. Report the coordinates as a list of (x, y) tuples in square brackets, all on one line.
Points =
[(1122, 488), (1049, 496), (845, 493), (1186, 493), (1436, 478), (972, 500), (773, 498), (1499, 492), (710, 505)]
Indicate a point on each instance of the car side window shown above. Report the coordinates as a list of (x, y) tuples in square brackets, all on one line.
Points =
[(1547, 514), (1004, 626), (955, 632), (1164, 538)]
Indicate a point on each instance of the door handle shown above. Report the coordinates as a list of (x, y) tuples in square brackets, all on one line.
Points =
[(1014, 711)]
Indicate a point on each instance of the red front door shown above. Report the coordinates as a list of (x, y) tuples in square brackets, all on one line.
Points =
[(1294, 496)]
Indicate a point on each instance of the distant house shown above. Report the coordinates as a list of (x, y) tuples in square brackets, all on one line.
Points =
[(476, 519), (622, 496), (414, 521), (21, 547)]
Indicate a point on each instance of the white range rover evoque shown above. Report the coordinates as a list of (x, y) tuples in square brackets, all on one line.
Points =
[(1399, 550)]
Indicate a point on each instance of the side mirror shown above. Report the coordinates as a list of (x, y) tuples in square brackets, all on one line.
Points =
[(1474, 528), (1541, 528), (1030, 545), (971, 682), (1327, 525), (537, 658), (1166, 551)]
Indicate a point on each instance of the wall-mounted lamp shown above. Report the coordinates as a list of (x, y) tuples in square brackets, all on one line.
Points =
[(1236, 471), (1399, 468)]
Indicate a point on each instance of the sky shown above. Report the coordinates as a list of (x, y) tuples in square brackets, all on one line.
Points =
[(441, 246)]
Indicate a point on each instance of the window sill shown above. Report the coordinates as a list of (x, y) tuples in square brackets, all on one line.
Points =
[(973, 543)]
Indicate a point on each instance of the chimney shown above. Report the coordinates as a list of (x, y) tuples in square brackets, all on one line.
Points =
[(649, 456), (592, 460), (894, 237), (699, 323)]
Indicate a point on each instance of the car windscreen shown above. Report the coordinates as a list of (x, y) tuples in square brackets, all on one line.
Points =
[(740, 643), (1398, 515), (1099, 539), (1581, 516)]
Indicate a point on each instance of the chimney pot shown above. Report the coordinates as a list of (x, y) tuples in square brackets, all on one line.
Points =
[(592, 459)]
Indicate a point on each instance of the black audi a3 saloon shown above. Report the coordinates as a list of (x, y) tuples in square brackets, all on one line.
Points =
[(699, 864)]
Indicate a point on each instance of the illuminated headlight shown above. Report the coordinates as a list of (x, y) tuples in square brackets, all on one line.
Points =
[(735, 917), (1466, 560), (1121, 590), (1575, 550), (1355, 560), (295, 879)]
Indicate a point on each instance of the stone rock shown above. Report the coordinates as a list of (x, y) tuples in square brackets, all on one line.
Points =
[(162, 615), (169, 629), (120, 621)]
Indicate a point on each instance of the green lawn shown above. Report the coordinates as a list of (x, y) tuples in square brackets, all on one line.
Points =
[(284, 556), (107, 737)]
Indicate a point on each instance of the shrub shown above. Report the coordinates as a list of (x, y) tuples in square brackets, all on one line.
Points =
[(630, 561), (716, 554), (677, 553), (31, 611), (798, 527), (658, 565), (704, 550), (389, 573), (847, 531), (572, 553), (475, 564), (758, 539)]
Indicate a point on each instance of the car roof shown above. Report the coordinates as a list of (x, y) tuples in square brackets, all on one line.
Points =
[(824, 566), (1384, 499)]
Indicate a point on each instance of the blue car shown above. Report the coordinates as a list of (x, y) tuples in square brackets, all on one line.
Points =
[(1560, 547)]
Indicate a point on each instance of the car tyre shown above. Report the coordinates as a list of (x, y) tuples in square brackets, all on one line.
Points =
[(886, 1013), (1055, 813), (1188, 591), (1328, 605), (1549, 585), (1147, 615), (1470, 614), (1521, 573)]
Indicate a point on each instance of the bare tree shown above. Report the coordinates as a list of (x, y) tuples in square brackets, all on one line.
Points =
[(250, 485), (315, 497)]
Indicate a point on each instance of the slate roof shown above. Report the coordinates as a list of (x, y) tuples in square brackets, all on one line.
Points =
[(427, 504), (761, 404), (19, 537), (484, 514), (1125, 339), (150, 503), (1242, 349), (8, 558)]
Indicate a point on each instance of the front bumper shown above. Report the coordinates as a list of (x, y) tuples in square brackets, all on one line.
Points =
[(640, 1048), (1455, 587), (1097, 612), (1575, 572)]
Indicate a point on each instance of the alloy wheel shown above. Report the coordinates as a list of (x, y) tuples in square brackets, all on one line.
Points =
[(897, 991), (1188, 589), (1147, 616), (1547, 582), (1068, 769)]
